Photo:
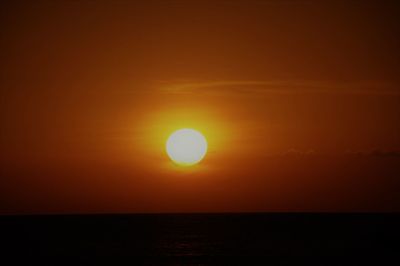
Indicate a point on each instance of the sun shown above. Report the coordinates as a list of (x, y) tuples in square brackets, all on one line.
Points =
[(186, 147)]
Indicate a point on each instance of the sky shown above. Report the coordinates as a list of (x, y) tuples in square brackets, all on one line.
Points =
[(299, 102)]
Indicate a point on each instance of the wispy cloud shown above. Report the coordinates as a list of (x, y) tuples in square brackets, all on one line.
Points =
[(296, 152), (280, 87)]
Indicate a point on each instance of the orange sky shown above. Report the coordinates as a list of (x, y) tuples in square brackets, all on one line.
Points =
[(299, 101)]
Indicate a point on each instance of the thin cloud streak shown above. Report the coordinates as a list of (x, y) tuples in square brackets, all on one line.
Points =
[(280, 87)]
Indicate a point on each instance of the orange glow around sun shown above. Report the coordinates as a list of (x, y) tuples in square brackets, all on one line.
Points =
[(161, 125)]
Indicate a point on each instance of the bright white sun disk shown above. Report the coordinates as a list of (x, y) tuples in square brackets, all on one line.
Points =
[(186, 147)]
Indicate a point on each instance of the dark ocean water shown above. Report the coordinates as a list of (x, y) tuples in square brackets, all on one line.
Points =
[(202, 239)]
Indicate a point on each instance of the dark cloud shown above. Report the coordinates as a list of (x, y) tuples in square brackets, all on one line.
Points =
[(385, 153), (376, 153)]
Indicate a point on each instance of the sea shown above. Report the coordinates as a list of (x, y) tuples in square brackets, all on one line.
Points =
[(201, 239)]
